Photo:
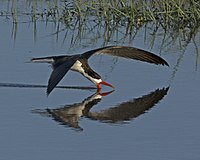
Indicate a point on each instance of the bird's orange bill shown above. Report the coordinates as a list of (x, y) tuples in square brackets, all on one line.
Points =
[(104, 83)]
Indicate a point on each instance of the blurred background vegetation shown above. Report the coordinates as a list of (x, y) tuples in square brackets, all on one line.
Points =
[(116, 21)]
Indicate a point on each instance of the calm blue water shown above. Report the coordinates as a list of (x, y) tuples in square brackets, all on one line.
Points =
[(168, 130)]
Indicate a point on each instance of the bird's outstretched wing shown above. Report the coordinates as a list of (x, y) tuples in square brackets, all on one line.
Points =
[(59, 71), (128, 52)]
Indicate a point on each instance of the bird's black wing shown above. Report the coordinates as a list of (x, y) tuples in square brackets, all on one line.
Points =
[(128, 52), (59, 71)]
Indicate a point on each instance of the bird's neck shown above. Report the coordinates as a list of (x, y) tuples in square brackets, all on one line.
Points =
[(82, 67)]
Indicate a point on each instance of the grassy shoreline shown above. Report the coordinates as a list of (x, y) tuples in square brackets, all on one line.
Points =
[(167, 12), (136, 12), (176, 18)]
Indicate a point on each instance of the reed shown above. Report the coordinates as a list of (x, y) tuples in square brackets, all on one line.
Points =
[(113, 17), (169, 13)]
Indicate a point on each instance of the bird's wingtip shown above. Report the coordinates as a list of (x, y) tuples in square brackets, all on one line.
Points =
[(48, 92), (165, 63)]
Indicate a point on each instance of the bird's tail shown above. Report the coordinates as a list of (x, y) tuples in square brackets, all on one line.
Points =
[(43, 60)]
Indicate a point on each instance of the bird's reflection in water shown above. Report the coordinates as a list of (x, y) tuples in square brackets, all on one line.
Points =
[(69, 115)]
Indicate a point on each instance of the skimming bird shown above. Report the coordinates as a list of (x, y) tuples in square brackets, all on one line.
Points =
[(79, 63)]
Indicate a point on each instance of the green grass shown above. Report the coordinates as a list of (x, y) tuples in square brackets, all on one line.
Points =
[(177, 18), (169, 13)]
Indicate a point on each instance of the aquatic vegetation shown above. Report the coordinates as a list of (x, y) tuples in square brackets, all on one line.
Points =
[(113, 20), (120, 20), (166, 13), (170, 14)]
